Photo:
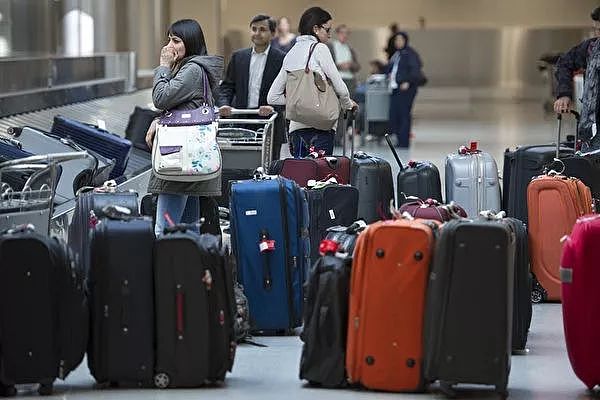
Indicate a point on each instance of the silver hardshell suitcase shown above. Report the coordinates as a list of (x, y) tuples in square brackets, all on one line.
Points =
[(472, 180)]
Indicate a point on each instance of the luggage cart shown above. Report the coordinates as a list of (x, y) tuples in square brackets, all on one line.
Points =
[(34, 202), (246, 143), (241, 145)]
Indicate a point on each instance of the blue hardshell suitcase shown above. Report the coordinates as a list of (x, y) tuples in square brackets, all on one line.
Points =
[(271, 210), (95, 139)]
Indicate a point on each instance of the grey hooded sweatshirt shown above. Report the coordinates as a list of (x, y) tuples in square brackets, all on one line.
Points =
[(182, 88)]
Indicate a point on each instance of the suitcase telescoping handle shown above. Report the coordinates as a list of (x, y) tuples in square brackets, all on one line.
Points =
[(349, 116), (394, 152), (559, 131)]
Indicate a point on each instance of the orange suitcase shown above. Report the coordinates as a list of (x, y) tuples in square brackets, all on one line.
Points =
[(387, 301), (554, 203)]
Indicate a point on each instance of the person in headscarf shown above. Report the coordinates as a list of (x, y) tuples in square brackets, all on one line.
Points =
[(404, 70)]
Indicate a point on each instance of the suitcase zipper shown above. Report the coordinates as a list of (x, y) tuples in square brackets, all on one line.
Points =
[(283, 201)]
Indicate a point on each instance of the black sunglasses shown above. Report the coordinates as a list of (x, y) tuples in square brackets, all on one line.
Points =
[(326, 29)]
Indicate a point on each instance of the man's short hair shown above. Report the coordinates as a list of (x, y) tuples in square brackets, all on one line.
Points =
[(340, 27), (596, 14), (262, 17)]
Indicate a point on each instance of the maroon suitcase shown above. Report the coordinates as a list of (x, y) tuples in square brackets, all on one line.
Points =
[(432, 209), (301, 170)]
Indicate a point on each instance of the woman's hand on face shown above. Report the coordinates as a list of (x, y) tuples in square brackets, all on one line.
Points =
[(150, 134), (168, 56)]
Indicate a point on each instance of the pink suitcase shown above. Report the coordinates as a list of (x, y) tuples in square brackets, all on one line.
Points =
[(580, 274)]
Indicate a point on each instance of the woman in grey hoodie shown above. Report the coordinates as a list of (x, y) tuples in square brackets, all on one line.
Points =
[(178, 85)]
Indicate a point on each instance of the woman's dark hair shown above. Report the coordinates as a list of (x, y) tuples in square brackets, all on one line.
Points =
[(596, 14), (270, 21), (191, 33), (311, 17)]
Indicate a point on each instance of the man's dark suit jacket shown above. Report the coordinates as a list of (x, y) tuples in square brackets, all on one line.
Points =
[(234, 88)]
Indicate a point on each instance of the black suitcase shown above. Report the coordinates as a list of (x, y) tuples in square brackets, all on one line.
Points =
[(195, 303), (88, 210), (373, 178), (468, 323), (121, 297), (137, 127), (329, 206), (420, 179), (44, 313), (523, 285), (526, 162), (323, 360), (231, 175)]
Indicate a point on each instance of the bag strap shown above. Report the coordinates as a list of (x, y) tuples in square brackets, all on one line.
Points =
[(205, 86), (310, 52)]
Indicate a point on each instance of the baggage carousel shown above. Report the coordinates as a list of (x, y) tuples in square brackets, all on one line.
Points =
[(115, 112)]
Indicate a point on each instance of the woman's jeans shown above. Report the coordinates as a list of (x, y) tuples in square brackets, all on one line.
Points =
[(303, 139), (180, 207), (401, 103)]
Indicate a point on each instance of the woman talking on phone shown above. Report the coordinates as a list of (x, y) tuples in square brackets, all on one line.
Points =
[(179, 85)]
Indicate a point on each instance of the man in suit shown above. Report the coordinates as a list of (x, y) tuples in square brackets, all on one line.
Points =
[(250, 73)]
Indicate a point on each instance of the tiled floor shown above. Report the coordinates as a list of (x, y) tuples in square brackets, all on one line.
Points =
[(272, 372)]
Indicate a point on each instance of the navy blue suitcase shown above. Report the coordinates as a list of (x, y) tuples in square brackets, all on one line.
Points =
[(95, 139), (274, 210)]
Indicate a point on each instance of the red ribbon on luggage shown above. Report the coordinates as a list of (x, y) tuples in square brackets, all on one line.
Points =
[(314, 153), (472, 149), (328, 246)]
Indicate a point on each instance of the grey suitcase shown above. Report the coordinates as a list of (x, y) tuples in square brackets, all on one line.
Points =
[(472, 180), (468, 323)]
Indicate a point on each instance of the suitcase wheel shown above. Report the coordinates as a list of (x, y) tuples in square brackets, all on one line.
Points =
[(8, 391), (162, 380), (45, 389)]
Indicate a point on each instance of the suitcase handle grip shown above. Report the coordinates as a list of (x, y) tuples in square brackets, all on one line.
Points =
[(264, 255)]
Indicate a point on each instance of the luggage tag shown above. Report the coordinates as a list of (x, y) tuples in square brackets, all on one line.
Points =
[(266, 244)]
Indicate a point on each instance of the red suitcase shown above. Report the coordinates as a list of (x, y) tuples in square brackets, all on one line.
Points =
[(580, 274), (301, 170)]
